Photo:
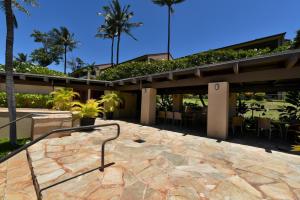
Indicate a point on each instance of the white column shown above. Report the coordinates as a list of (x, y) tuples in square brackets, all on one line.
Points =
[(218, 110), (148, 108)]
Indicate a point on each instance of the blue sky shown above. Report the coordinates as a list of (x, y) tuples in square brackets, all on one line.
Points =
[(197, 25)]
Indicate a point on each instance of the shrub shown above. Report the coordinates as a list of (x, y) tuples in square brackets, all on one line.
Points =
[(90, 109), (111, 102), (22, 67), (62, 98), (291, 112), (27, 100), (133, 69)]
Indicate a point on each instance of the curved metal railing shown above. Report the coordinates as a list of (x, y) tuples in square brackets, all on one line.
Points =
[(83, 128)]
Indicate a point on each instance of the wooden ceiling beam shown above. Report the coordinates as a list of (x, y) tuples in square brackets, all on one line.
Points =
[(171, 76), (198, 73), (291, 62), (236, 68)]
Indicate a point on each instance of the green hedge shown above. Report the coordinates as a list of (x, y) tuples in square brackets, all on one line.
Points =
[(27, 100), (134, 69), (22, 67)]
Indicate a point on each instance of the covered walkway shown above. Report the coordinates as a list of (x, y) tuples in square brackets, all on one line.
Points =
[(221, 81)]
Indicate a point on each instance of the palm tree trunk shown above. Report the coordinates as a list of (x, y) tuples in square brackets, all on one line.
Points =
[(65, 67), (118, 46), (169, 30), (112, 51), (10, 90)]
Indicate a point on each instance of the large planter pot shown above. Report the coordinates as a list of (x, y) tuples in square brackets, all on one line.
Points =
[(86, 121)]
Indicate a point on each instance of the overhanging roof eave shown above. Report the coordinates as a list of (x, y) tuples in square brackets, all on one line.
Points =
[(219, 66)]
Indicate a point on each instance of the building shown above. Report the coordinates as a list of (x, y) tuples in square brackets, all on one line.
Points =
[(97, 69), (272, 42)]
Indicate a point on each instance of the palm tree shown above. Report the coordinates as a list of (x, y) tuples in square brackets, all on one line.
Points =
[(108, 32), (119, 19), (75, 64), (64, 38), (11, 23), (2, 7), (169, 4), (22, 57), (297, 40)]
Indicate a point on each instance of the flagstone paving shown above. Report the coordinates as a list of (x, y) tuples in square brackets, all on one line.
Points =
[(168, 166)]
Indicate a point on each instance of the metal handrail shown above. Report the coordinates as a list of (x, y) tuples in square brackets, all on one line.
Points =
[(18, 119), (82, 128)]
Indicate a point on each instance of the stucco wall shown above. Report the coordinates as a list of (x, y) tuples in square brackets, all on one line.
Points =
[(128, 109)]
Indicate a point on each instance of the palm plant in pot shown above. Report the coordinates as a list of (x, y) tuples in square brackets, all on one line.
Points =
[(111, 102), (62, 99), (87, 112)]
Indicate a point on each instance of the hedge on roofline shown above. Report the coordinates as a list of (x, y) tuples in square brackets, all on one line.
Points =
[(22, 67), (134, 69)]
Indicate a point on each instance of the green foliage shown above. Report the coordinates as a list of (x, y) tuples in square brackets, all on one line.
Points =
[(117, 21), (49, 52), (242, 107), (27, 100), (169, 3), (164, 103), (22, 57), (22, 67), (75, 64), (90, 109), (134, 69), (6, 147), (83, 70), (62, 99), (111, 101), (297, 40), (44, 57), (286, 46), (291, 112)]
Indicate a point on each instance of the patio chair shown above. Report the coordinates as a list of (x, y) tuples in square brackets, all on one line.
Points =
[(238, 122), (264, 124), (169, 116), (178, 117), (161, 116)]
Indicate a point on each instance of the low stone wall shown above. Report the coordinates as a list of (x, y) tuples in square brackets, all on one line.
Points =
[(32, 127), (44, 124)]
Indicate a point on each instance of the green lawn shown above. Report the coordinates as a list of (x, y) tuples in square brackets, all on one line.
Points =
[(270, 106), (5, 146)]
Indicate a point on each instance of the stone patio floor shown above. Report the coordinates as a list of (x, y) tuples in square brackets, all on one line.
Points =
[(167, 166)]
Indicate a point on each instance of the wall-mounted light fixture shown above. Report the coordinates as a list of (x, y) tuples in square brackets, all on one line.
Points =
[(217, 86)]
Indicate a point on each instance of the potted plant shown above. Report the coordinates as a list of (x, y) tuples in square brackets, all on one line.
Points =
[(111, 103), (62, 99), (87, 112)]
